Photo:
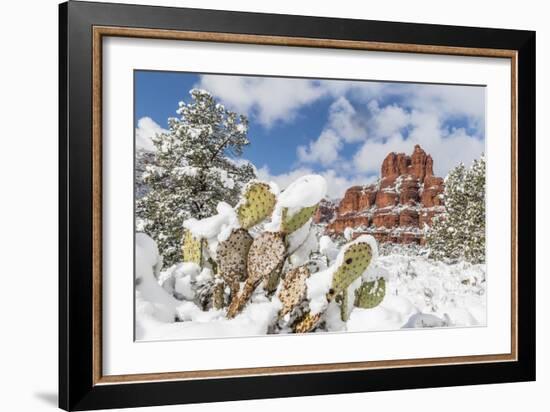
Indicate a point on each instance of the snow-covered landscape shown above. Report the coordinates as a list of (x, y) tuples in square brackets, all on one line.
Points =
[(222, 249), (418, 291)]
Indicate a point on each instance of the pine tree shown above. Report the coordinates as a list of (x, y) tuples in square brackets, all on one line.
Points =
[(191, 170), (459, 233)]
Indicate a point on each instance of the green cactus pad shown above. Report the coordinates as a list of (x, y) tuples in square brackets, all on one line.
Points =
[(370, 294), (293, 290), (266, 256), (343, 302), (297, 220), (191, 248), (232, 256), (256, 205), (357, 258)]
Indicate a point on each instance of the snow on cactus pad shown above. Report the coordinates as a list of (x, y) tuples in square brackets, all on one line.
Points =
[(257, 204), (297, 203), (370, 294), (306, 191)]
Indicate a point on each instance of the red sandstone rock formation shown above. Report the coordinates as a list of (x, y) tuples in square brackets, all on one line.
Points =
[(325, 212), (339, 224), (386, 198), (385, 219), (408, 191), (406, 198), (408, 218)]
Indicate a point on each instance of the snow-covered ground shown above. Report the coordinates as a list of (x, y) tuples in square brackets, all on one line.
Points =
[(423, 293), (419, 293)]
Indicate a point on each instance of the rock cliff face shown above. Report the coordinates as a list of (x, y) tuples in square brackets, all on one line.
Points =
[(395, 209)]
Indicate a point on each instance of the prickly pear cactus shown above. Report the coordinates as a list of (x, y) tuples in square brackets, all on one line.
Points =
[(257, 204), (218, 296), (232, 256), (291, 223), (357, 258), (191, 248), (370, 294), (306, 323), (293, 290), (267, 252), (266, 255), (343, 301), (272, 280)]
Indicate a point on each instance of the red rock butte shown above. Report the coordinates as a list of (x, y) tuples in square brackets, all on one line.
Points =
[(396, 208)]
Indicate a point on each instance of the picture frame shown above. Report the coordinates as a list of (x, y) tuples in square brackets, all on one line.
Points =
[(82, 29)]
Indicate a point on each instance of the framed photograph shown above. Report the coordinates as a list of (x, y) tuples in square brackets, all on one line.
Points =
[(257, 206)]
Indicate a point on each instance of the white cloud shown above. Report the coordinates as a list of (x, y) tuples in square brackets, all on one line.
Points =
[(284, 179), (447, 99), (344, 121), (267, 99), (145, 130), (343, 126), (371, 154), (324, 150), (336, 183), (279, 99), (387, 121), (377, 117), (396, 128), (448, 147)]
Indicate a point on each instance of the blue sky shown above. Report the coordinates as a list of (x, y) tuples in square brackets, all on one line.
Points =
[(340, 129)]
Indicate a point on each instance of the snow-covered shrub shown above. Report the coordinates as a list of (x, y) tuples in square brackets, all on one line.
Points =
[(190, 170), (459, 233)]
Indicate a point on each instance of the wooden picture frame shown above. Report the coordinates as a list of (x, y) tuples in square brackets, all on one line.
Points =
[(82, 386)]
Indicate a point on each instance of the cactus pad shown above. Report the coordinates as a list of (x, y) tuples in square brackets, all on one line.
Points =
[(218, 298), (297, 220), (357, 258), (191, 248), (370, 294), (267, 252), (307, 323), (232, 256), (344, 309), (257, 204), (293, 290), (272, 280), (266, 256)]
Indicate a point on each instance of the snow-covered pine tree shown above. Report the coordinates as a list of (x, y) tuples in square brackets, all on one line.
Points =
[(143, 158), (191, 170), (474, 245), (459, 233)]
